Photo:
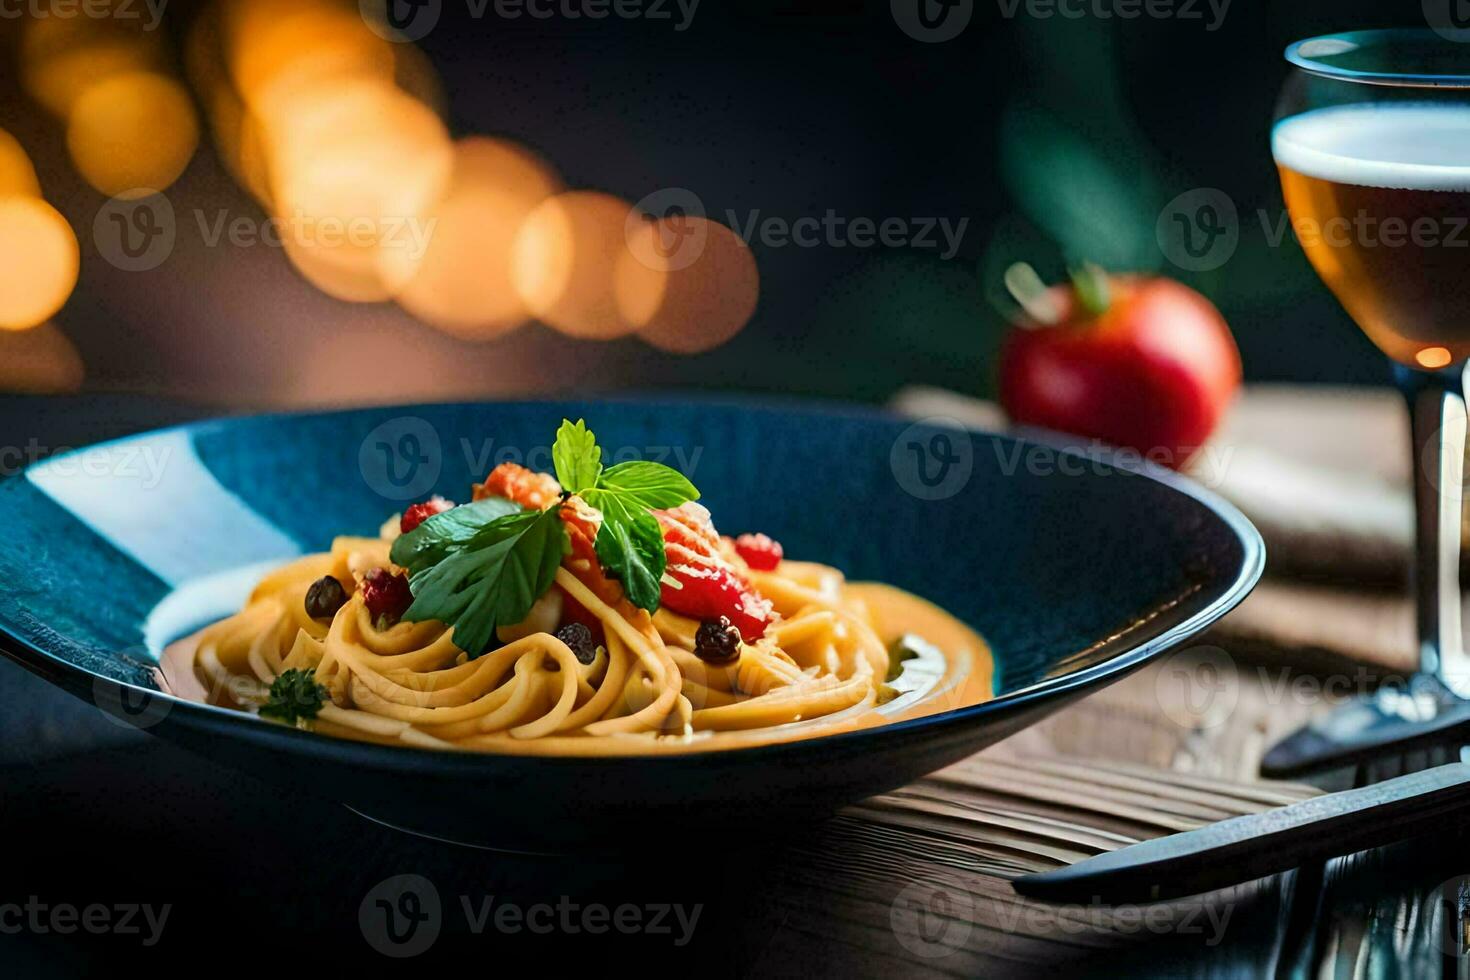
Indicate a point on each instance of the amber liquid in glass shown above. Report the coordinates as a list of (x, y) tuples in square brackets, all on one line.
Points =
[(1379, 197)]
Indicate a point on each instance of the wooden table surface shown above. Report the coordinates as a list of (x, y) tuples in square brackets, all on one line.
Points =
[(1200, 712)]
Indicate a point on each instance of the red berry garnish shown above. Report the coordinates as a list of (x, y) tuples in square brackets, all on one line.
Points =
[(386, 595), (760, 552), (419, 513)]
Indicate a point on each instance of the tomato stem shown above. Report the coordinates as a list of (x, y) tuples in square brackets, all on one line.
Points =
[(1090, 285), (1027, 289)]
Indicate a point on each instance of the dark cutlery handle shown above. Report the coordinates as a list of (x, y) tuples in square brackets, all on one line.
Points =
[(1246, 848)]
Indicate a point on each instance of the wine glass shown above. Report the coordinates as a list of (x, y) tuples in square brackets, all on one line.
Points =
[(1372, 141)]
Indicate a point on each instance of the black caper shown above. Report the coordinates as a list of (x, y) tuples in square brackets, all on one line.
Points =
[(579, 638), (717, 642), (324, 598)]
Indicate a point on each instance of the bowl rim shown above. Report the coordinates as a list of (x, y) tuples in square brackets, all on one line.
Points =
[(80, 681)]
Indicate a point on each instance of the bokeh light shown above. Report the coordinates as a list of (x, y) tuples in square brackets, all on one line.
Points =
[(461, 282), (683, 302), (1434, 358), (340, 135), (62, 57), (279, 54), (236, 133), (564, 259), (353, 173), (17, 175), (38, 261), (132, 133)]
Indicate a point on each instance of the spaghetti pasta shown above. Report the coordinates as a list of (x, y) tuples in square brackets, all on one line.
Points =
[(650, 683)]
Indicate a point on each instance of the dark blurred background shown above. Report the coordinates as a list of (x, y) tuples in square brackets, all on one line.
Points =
[(1049, 137)]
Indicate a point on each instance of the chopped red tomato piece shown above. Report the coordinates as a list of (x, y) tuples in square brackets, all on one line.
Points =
[(419, 513), (708, 586), (709, 592), (759, 551), (526, 487)]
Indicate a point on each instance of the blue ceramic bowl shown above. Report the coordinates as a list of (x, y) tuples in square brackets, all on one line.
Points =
[(1076, 568)]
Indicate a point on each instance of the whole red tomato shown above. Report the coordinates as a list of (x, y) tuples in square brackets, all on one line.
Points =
[(1153, 369)]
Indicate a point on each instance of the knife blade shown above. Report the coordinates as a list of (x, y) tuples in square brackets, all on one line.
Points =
[(1245, 848)]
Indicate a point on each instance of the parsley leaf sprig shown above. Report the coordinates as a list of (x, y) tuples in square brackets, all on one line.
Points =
[(294, 695), (483, 565), (630, 543)]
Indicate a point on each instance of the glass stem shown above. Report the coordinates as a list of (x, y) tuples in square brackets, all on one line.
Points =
[(1436, 402)]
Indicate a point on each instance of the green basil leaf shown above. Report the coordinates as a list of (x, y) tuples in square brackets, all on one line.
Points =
[(630, 544), (650, 485), (436, 538), (493, 580), (576, 456)]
